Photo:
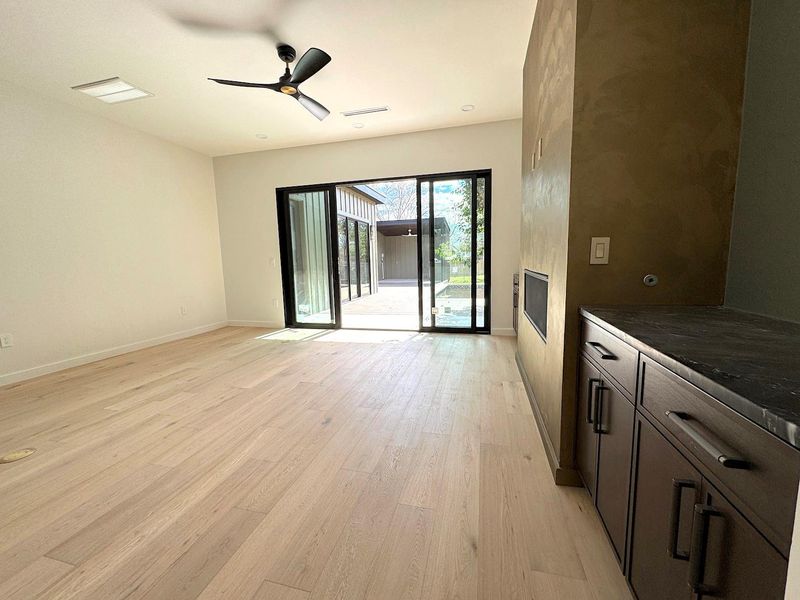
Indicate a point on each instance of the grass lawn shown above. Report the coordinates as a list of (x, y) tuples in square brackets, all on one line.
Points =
[(464, 278)]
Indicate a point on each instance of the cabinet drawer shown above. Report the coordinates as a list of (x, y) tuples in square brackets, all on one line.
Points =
[(611, 353), (758, 468)]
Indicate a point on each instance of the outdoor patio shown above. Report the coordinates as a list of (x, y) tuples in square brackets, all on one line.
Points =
[(394, 306)]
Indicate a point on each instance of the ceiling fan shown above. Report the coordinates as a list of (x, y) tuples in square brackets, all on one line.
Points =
[(289, 83)]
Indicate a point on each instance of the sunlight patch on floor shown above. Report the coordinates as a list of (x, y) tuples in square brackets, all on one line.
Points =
[(361, 336), (292, 335)]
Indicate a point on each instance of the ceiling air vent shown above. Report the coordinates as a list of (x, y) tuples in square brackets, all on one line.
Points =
[(112, 90), (365, 111)]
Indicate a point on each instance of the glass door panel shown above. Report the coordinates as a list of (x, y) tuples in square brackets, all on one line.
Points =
[(363, 258), (424, 250), (344, 271), (452, 253), (454, 249), (306, 223), (481, 287), (352, 253)]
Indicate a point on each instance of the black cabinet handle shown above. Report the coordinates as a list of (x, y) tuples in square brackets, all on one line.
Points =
[(698, 548), (597, 427), (590, 399), (678, 485), (601, 350), (720, 455)]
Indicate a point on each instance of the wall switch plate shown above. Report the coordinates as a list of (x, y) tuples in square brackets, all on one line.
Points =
[(601, 248), (183, 311), (6, 340)]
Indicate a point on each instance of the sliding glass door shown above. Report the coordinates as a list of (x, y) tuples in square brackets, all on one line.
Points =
[(307, 258), (452, 246), (355, 278), (327, 257)]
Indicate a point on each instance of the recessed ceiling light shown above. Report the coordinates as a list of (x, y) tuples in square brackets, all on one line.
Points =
[(358, 125), (262, 136), (468, 107), (111, 90), (365, 111)]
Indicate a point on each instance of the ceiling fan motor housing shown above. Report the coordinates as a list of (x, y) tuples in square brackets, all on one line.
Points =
[(286, 53)]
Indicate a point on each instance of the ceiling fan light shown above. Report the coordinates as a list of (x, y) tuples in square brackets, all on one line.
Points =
[(288, 89)]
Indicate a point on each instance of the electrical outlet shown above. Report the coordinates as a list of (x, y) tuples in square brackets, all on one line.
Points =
[(6, 340), (274, 303)]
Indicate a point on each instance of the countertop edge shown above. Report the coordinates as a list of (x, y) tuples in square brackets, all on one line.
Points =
[(784, 431)]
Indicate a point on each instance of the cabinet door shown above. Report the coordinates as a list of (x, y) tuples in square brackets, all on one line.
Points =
[(614, 417), (589, 379), (729, 558), (666, 489)]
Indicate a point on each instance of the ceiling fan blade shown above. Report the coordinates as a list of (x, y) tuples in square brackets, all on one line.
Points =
[(310, 63), (269, 86), (314, 107)]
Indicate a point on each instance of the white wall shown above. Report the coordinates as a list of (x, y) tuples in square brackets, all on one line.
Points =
[(246, 201), (104, 233)]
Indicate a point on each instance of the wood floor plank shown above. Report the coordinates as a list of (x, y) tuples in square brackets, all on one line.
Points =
[(35, 579), (424, 483), (348, 571), (452, 569), (400, 568), (274, 591), (546, 586), (188, 576)]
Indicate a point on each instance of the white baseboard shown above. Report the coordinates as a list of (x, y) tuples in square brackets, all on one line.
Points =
[(77, 361), (264, 324), (503, 331)]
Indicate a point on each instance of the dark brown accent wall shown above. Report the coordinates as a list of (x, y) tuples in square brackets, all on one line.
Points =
[(638, 106)]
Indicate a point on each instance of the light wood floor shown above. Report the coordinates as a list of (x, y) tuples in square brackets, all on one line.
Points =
[(246, 465)]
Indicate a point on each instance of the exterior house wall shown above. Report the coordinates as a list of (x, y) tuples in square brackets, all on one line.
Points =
[(350, 203), (399, 257)]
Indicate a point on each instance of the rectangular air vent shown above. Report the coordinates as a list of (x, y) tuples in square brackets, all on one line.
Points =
[(365, 111), (112, 90)]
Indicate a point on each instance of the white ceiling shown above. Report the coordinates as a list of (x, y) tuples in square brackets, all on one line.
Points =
[(422, 58)]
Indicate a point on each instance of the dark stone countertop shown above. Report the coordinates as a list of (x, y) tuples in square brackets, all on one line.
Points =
[(748, 362)]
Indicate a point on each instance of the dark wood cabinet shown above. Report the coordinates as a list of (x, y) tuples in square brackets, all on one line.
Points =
[(666, 489), (614, 425), (697, 500), (730, 558), (605, 431), (586, 441)]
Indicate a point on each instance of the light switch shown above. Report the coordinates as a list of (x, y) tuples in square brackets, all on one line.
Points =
[(601, 248)]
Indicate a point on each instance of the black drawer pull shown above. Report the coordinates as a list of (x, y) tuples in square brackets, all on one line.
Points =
[(590, 399), (597, 427), (697, 551), (720, 455), (601, 350), (678, 485)]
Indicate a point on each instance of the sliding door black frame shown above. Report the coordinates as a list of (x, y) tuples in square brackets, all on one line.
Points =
[(287, 266), (332, 213), (473, 177)]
